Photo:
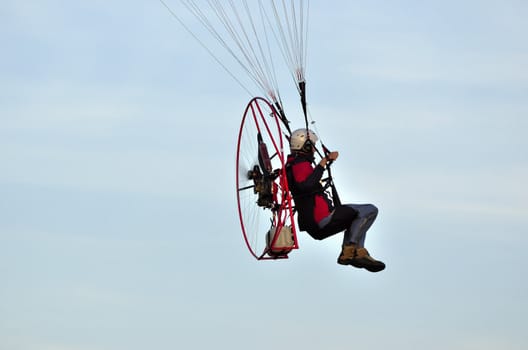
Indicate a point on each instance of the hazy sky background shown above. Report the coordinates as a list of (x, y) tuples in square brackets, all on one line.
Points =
[(118, 223)]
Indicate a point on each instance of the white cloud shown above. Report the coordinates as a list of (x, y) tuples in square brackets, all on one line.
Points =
[(129, 171)]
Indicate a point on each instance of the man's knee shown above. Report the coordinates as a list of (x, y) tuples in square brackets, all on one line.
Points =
[(373, 210)]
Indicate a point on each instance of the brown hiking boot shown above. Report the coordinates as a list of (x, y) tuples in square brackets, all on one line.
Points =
[(363, 259), (360, 258), (347, 254)]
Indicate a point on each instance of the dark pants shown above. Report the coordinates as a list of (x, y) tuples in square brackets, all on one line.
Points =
[(354, 219)]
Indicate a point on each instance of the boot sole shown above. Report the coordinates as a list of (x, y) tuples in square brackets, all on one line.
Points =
[(369, 268)]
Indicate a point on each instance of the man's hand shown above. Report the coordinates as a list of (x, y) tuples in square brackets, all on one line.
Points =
[(329, 157), (332, 155)]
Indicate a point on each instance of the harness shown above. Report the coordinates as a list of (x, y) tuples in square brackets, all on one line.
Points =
[(305, 201)]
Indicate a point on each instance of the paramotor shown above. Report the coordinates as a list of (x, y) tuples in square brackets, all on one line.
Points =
[(264, 200), (254, 34)]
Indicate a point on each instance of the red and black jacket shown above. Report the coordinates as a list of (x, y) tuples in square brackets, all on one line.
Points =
[(311, 201)]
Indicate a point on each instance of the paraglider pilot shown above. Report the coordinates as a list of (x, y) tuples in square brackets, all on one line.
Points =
[(317, 215)]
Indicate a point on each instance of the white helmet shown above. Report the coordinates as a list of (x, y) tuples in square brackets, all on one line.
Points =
[(299, 137)]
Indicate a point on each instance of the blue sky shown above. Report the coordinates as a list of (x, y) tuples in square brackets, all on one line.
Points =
[(118, 223)]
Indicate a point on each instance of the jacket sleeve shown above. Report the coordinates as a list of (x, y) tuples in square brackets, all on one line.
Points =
[(306, 177)]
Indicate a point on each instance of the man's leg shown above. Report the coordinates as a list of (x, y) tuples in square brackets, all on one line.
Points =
[(357, 231), (354, 252)]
